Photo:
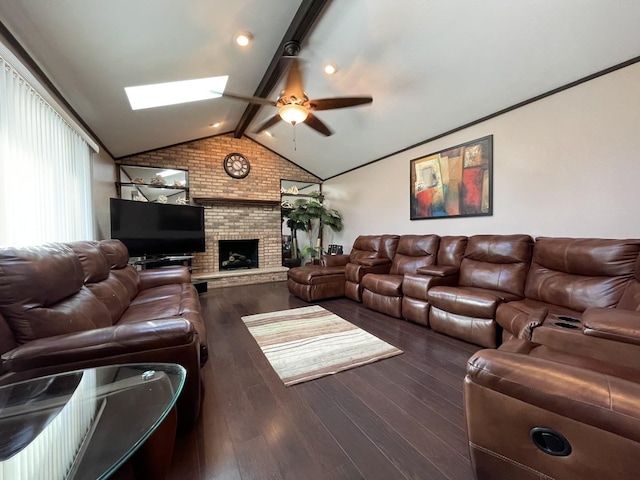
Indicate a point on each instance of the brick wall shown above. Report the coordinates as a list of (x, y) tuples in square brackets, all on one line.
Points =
[(207, 178)]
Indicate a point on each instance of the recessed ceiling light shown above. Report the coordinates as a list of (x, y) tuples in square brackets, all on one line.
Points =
[(215, 125), (172, 93), (269, 134), (330, 68), (243, 39)]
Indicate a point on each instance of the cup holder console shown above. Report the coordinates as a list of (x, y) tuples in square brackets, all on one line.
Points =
[(567, 325), (564, 318)]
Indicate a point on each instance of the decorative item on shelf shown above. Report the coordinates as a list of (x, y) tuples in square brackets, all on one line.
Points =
[(162, 199), (135, 195), (178, 183), (293, 190), (182, 201), (158, 180), (283, 190), (286, 204), (138, 180)]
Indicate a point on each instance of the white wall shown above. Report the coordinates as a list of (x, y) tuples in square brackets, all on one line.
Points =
[(567, 165), (103, 187)]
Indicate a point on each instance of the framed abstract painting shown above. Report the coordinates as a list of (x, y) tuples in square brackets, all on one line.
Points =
[(455, 182)]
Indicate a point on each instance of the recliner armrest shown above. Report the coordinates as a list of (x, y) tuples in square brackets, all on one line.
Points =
[(156, 277), (612, 324), (373, 262), (99, 344), (334, 260), (439, 270)]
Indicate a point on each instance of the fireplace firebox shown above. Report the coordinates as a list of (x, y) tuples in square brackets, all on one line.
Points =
[(235, 254)]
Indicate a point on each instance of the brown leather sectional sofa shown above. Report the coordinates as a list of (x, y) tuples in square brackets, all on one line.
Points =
[(560, 396), (76, 305)]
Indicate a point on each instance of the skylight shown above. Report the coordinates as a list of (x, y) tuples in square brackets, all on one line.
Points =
[(172, 93)]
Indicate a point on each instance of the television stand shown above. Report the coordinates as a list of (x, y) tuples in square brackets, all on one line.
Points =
[(162, 261)]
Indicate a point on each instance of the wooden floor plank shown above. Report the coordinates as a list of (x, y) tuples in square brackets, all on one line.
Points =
[(399, 418)]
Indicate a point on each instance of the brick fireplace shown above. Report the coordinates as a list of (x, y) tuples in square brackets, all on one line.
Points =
[(235, 209)]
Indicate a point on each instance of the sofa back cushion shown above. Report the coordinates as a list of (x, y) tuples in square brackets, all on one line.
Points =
[(631, 297), (7, 341), (116, 253), (98, 279), (414, 251), (94, 263), (388, 246), (42, 293), (365, 246), (117, 257), (496, 262), (451, 251), (578, 273)]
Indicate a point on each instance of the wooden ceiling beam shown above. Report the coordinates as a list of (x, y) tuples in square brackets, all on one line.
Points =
[(300, 26)]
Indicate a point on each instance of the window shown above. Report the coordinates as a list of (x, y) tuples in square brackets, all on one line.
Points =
[(45, 164)]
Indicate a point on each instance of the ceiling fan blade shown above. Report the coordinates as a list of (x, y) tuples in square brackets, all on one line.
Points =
[(315, 123), (338, 102), (259, 100), (294, 87), (269, 123)]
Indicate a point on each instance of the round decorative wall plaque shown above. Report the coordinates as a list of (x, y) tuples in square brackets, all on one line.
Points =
[(236, 165)]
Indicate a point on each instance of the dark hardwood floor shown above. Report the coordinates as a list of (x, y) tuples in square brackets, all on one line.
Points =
[(399, 418)]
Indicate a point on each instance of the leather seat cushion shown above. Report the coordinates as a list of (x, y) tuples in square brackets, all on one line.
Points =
[(468, 301), (383, 284), (313, 275)]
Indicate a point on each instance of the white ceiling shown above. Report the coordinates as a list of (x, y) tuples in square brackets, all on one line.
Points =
[(430, 65)]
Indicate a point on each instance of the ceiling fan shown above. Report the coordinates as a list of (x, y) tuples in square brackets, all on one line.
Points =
[(294, 105)]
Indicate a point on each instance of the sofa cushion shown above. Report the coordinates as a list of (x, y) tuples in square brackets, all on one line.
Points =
[(128, 277), (116, 253), (310, 275), (113, 294), (496, 262), (36, 303), (579, 273), (451, 250), (414, 251), (94, 263), (468, 301), (383, 284), (365, 246)]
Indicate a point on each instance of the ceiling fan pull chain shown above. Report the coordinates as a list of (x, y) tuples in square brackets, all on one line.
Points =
[(295, 144)]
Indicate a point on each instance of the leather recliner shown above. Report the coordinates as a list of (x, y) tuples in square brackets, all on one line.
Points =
[(533, 412), (493, 270), (339, 275), (415, 304), (568, 277), (370, 254), (383, 292)]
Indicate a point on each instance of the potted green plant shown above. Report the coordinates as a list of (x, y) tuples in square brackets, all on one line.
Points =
[(315, 216)]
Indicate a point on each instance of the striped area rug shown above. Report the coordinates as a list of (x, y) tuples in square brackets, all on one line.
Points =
[(310, 342)]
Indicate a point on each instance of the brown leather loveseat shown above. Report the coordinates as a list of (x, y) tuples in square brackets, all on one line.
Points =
[(76, 305)]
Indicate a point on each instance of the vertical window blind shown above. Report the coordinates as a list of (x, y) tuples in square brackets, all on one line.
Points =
[(45, 164)]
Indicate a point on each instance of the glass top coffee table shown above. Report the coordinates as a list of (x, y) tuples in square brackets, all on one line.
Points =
[(83, 424)]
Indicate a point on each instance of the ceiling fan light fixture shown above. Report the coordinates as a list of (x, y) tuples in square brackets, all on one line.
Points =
[(293, 113), (243, 39)]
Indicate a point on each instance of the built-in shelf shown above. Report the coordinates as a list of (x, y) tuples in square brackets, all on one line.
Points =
[(234, 201)]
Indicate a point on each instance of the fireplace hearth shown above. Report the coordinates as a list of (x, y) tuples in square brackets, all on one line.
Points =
[(238, 254)]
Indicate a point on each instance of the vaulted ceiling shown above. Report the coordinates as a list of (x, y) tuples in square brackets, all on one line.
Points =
[(431, 66)]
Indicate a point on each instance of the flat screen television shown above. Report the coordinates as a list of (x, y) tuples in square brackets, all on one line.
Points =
[(156, 229)]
